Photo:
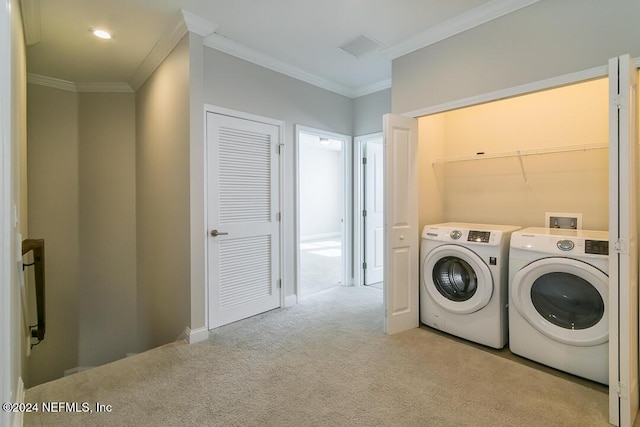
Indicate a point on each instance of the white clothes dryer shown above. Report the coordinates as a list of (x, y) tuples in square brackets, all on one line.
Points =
[(463, 280), (558, 299)]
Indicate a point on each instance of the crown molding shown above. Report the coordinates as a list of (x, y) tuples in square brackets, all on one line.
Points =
[(183, 22), (37, 79), (456, 25), (239, 50), (198, 25), (160, 51), (51, 82), (116, 87), (372, 88)]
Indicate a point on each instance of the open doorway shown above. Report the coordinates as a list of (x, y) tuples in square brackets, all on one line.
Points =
[(324, 210)]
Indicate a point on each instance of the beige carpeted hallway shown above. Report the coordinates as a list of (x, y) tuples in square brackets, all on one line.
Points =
[(324, 362)]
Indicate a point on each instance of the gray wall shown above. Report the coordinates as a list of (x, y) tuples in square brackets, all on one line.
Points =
[(544, 40), (163, 201), (81, 157), (107, 310), (242, 86), (368, 111), (54, 194)]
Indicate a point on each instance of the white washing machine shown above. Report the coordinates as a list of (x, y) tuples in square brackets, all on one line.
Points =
[(558, 299), (463, 280)]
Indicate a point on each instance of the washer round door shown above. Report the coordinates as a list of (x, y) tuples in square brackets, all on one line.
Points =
[(564, 299), (457, 279)]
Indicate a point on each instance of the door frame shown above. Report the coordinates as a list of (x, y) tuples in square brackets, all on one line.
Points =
[(208, 108), (7, 245), (347, 250), (358, 203), (554, 82)]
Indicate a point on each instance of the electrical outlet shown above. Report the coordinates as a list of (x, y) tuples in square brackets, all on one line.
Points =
[(571, 221)]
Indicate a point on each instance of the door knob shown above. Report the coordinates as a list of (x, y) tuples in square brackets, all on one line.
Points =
[(216, 233)]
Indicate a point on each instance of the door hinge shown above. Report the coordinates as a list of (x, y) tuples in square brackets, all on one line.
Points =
[(364, 160), (619, 246), (364, 212), (279, 216), (617, 100), (619, 389), (364, 265), (279, 283), (280, 146)]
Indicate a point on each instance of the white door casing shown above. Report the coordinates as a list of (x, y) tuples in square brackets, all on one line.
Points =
[(401, 279), (623, 256), (347, 200), (243, 200), (374, 208)]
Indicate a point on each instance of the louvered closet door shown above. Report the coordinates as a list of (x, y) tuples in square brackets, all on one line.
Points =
[(243, 200)]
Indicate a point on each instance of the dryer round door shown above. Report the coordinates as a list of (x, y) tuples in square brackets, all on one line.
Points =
[(564, 299), (457, 279)]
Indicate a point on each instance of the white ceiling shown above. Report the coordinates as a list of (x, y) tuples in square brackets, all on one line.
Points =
[(298, 37)]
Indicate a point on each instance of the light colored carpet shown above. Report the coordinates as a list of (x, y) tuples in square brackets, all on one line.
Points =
[(320, 266), (324, 362)]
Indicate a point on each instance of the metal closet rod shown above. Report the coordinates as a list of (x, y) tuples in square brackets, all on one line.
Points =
[(521, 153)]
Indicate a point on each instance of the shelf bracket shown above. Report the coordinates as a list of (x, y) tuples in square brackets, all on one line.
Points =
[(524, 174)]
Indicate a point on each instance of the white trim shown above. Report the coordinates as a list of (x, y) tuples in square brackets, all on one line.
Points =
[(194, 336), (18, 419), (372, 88), (580, 76), (566, 79), (291, 300), (37, 79), (358, 205), (6, 182), (197, 24), (456, 25), (347, 250), (160, 51), (104, 87), (284, 220), (312, 237), (241, 51), (76, 370)]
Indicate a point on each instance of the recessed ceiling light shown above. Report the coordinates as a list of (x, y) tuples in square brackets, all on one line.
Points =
[(102, 34)]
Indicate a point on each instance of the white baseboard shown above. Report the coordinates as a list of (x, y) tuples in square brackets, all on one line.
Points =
[(18, 416), (76, 370), (311, 237), (194, 336), (290, 300)]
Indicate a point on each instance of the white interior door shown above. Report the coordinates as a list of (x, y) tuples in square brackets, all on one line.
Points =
[(401, 223), (243, 220), (623, 258), (374, 213)]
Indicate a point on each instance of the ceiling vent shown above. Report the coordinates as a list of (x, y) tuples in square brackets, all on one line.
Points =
[(361, 46)]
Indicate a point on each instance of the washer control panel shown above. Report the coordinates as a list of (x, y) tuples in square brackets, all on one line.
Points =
[(479, 236), (565, 245), (455, 234), (596, 247)]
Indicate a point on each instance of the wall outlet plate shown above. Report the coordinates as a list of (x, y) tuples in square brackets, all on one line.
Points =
[(571, 221)]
